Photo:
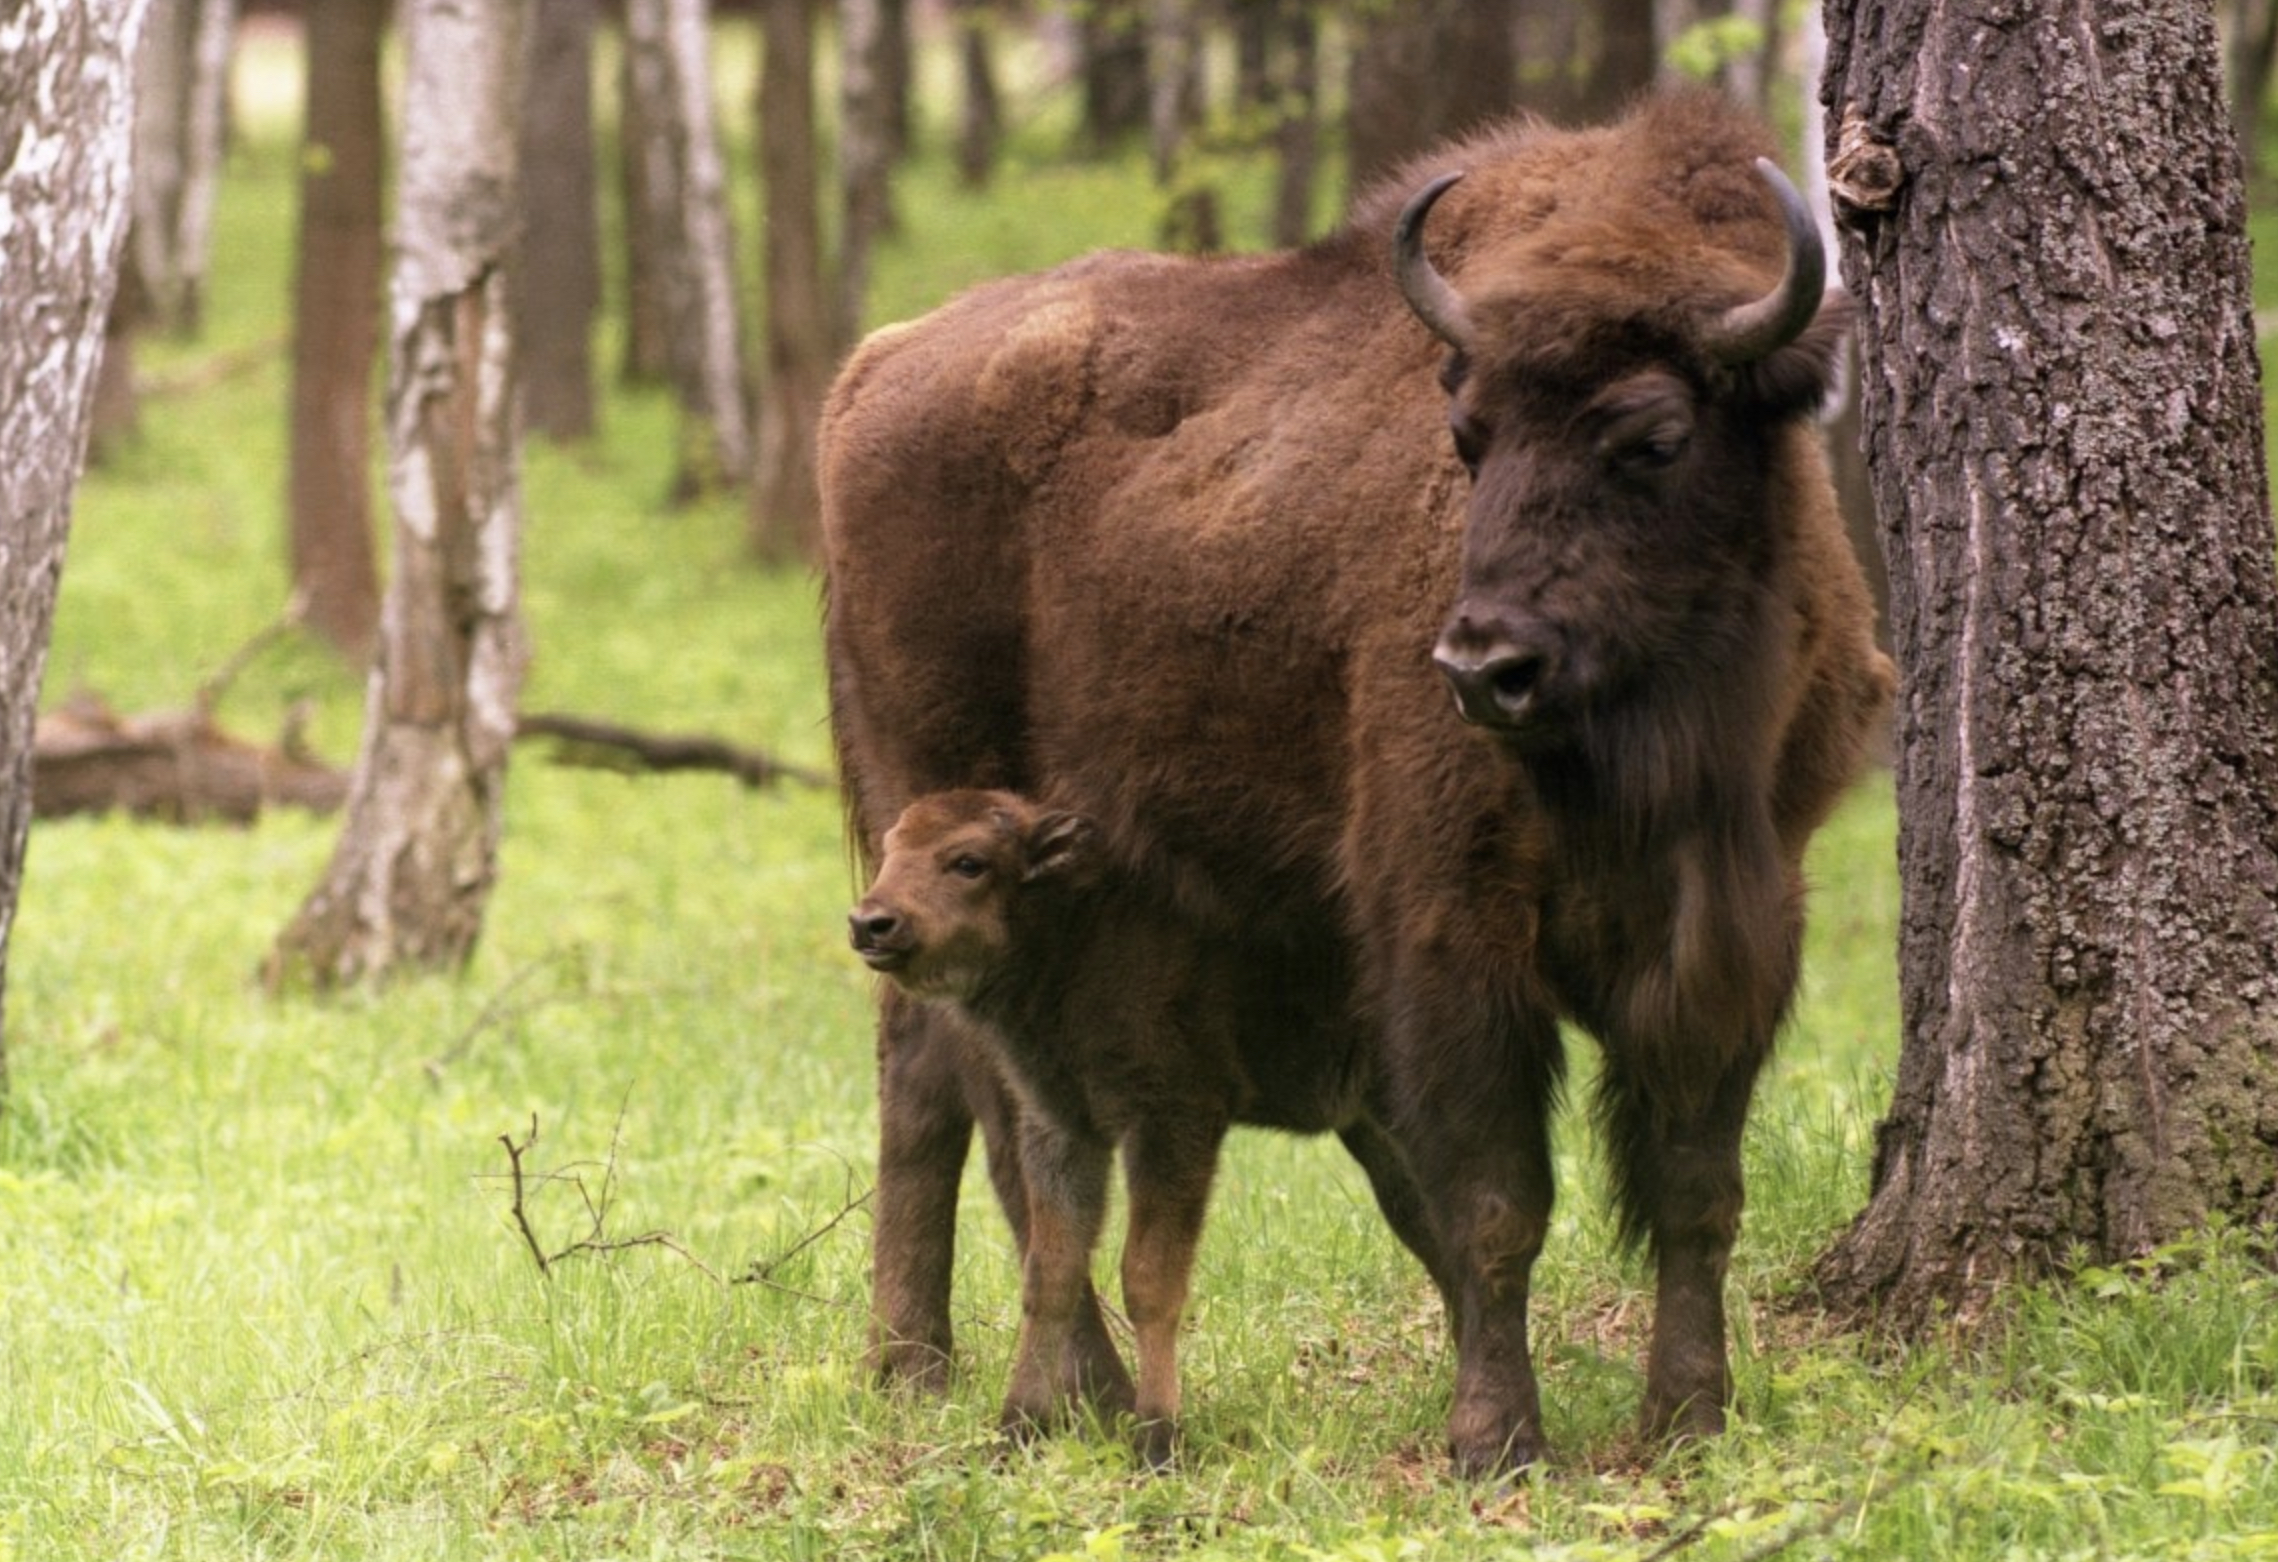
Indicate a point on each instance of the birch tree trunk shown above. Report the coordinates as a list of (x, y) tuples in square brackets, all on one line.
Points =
[(337, 282), (683, 182), (66, 151), (418, 851), (182, 76), (2047, 229), (786, 506)]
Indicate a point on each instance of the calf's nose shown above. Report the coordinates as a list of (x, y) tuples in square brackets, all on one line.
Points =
[(1497, 665), (872, 927)]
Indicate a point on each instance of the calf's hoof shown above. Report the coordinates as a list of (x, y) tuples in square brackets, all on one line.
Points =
[(1484, 1455), (1156, 1442), (911, 1364)]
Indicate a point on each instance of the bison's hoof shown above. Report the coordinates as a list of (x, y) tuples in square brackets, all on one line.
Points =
[(1684, 1420), (1479, 1459)]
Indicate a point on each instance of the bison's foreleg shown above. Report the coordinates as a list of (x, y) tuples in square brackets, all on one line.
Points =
[(1168, 1165), (1067, 1204), (1679, 1171), (925, 1127), (1472, 1108)]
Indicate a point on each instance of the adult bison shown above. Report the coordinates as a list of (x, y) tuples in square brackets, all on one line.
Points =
[(1186, 546)]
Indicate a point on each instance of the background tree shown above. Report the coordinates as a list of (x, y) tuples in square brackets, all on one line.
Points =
[(682, 186), (1422, 71), (799, 352), (336, 325), (2065, 438), (559, 290), (65, 156), (182, 91), (1111, 64), (980, 108), (417, 853), (865, 155)]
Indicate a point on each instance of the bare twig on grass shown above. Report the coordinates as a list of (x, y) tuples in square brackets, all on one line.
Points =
[(761, 1271), (596, 1239)]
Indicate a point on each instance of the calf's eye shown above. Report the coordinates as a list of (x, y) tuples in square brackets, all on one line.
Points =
[(969, 867)]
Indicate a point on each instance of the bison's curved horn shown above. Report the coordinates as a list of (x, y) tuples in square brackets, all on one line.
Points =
[(1747, 332), (1431, 295)]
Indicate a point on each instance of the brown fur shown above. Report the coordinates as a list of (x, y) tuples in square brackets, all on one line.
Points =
[(1169, 542), (1119, 1027)]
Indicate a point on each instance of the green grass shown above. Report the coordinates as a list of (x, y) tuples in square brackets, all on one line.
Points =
[(263, 1296)]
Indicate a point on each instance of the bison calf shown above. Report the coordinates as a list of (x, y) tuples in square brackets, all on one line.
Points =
[(1118, 1027)]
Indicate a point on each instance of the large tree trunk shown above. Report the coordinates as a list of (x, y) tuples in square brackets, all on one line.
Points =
[(418, 852), (786, 512), (558, 293), (66, 149), (1421, 71), (683, 184), (336, 326), (2065, 436)]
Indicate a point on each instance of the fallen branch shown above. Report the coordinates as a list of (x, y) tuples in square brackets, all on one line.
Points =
[(177, 766), (604, 745)]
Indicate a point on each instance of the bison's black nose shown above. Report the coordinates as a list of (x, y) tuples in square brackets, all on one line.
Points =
[(1498, 666)]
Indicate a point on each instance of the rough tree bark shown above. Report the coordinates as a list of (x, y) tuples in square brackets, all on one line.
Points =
[(66, 147), (558, 292), (336, 326), (2048, 233), (786, 515), (683, 184), (418, 852)]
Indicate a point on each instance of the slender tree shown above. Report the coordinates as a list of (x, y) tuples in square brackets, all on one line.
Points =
[(417, 855), (559, 290), (1423, 70), (683, 186), (336, 325), (865, 156), (2048, 234), (65, 156), (786, 512), (980, 111), (182, 88)]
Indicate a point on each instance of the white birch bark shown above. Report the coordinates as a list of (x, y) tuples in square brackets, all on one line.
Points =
[(66, 151), (418, 853)]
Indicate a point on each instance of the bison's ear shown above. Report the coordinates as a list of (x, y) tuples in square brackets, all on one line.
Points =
[(1063, 846), (1796, 378)]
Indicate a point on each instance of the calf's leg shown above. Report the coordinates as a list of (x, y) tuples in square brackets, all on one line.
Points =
[(1066, 1176), (925, 1126), (1168, 1164)]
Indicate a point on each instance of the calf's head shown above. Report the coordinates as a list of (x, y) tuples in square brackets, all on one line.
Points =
[(1620, 399), (943, 914)]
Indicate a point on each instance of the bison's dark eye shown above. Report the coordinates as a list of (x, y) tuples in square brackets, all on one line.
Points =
[(1470, 441), (1646, 446), (969, 866)]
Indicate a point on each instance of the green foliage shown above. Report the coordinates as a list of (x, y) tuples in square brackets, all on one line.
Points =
[(265, 1296)]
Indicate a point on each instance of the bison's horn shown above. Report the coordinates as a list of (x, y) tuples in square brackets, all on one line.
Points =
[(1747, 332), (1431, 295)]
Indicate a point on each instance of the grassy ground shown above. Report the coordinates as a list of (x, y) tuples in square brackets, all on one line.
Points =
[(264, 1297)]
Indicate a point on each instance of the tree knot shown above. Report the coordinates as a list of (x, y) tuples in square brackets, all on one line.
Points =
[(1865, 174)]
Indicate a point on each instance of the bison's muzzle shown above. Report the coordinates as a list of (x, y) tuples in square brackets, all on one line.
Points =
[(881, 936), (1503, 670)]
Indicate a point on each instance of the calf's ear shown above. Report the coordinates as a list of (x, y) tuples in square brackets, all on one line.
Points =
[(1061, 845)]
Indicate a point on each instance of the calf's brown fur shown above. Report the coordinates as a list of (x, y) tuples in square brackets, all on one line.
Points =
[(1118, 1027), (1183, 545)]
